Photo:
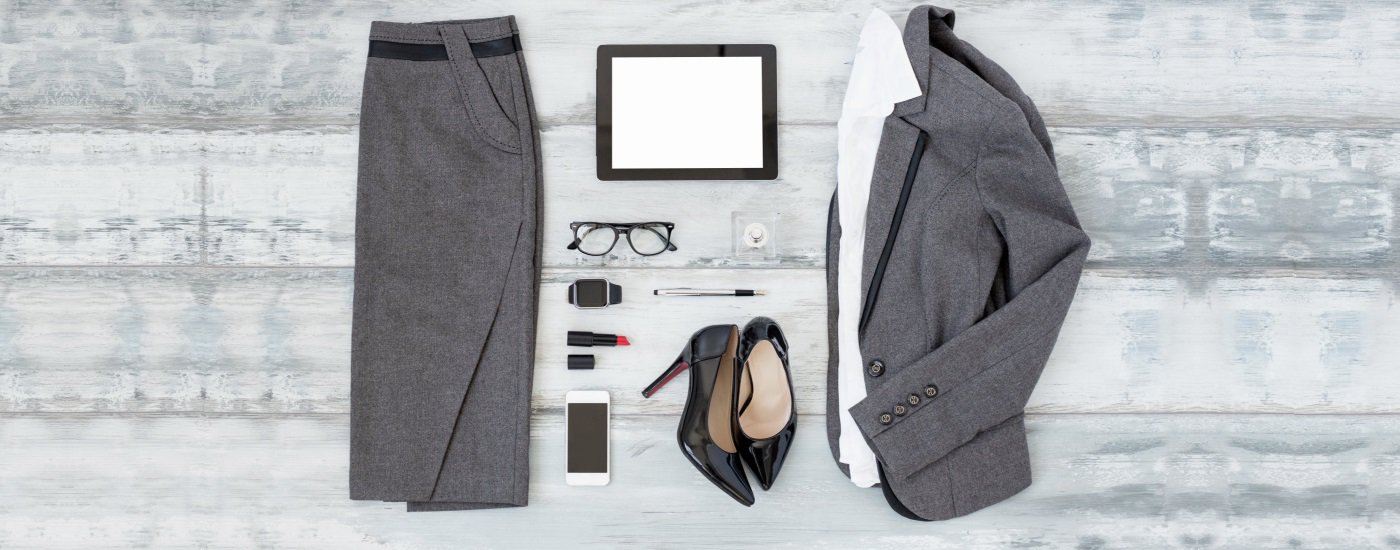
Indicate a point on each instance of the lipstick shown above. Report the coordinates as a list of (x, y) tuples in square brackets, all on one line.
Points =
[(589, 339)]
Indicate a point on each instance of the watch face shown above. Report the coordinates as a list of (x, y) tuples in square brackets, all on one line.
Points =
[(591, 293)]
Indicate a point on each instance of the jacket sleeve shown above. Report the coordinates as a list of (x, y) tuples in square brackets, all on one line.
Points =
[(984, 375)]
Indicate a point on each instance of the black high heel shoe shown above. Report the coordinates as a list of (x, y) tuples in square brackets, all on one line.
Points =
[(766, 413), (707, 429)]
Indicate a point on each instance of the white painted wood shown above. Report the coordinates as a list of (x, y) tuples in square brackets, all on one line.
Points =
[(1102, 481), (1086, 62), (1236, 164), (1213, 200), (99, 196), (1180, 198), (277, 341)]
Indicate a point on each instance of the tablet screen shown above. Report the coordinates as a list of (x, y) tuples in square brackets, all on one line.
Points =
[(687, 112)]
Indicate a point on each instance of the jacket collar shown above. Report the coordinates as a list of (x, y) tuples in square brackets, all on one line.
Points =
[(922, 23)]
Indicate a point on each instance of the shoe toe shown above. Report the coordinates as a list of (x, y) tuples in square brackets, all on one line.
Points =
[(727, 471), (766, 457)]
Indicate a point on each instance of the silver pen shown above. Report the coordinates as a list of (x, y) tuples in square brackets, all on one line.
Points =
[(707, 292)]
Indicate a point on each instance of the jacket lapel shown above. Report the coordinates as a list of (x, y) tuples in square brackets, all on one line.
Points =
[(897, 144), (896, 148)]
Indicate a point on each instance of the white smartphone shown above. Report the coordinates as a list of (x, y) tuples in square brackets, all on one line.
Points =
[(586, 419)]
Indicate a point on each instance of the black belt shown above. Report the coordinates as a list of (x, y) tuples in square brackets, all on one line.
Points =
[(438, 52)]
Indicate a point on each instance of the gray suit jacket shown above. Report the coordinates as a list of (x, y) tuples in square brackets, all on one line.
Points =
[(972, 256)]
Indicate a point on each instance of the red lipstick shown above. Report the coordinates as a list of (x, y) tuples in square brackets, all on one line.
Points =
[(589, 339)]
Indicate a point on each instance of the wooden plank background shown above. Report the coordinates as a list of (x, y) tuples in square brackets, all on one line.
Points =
[(176, 237)]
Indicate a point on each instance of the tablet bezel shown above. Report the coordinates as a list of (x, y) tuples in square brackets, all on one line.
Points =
[(769, 55)]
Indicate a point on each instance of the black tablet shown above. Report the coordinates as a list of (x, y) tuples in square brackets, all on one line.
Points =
[(688, 112)]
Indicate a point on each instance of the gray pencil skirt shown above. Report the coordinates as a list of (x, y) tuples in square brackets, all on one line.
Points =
[(446, 268)]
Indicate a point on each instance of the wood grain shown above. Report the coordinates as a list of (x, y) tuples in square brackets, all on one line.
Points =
[(1086, 62), (1227, 199), (277, 341), (176, 231), (100, 196), (266, 196), (1102, 481)]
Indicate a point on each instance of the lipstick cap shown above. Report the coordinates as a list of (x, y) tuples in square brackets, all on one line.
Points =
[(580, 362)]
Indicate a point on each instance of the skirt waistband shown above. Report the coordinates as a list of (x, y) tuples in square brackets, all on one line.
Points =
[(476, 30)]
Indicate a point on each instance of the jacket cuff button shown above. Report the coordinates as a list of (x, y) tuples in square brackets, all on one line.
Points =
[(885, 418), (913, 399), (931, 390), (899, 410)]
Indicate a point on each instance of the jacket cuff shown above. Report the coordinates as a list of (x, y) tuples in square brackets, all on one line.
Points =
[(907, 423)]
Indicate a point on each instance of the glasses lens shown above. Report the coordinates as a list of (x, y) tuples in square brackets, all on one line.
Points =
[(649, 239), (595, 239)]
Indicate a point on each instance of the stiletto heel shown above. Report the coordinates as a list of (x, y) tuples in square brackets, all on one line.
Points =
[(674, 370), (767, 416), (706, 432)]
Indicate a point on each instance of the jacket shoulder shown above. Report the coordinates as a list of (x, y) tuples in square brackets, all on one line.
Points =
[(1008, 106), (964, 80), (960, 105)]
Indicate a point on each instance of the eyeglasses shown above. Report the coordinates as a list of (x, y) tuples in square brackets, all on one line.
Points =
[(645, 238)]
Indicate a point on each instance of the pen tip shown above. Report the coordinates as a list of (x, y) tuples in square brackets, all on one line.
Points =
[(760, 293), (622, 341), (656, 293)]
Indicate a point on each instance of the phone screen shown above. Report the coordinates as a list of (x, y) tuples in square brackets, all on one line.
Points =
[(588, 438)]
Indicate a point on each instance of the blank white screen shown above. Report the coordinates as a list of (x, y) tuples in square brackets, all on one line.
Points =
[(687, 112)]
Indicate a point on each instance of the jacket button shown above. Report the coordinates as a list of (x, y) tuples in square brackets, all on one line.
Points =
[(913, 399), (931, 390), (885, 418), (877, 367), (899, 410)]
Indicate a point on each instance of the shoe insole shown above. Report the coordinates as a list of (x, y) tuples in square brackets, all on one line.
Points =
[(768, 395), (722, 399)]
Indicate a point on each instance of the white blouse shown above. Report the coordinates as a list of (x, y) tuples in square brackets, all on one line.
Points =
[(880, 77)]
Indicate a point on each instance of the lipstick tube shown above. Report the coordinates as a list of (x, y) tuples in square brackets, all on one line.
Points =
[(589, 339)]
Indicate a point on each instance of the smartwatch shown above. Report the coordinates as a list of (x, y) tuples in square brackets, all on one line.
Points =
[(594, 293)]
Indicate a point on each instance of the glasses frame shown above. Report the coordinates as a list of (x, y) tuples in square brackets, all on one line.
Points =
[(620, 229)]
